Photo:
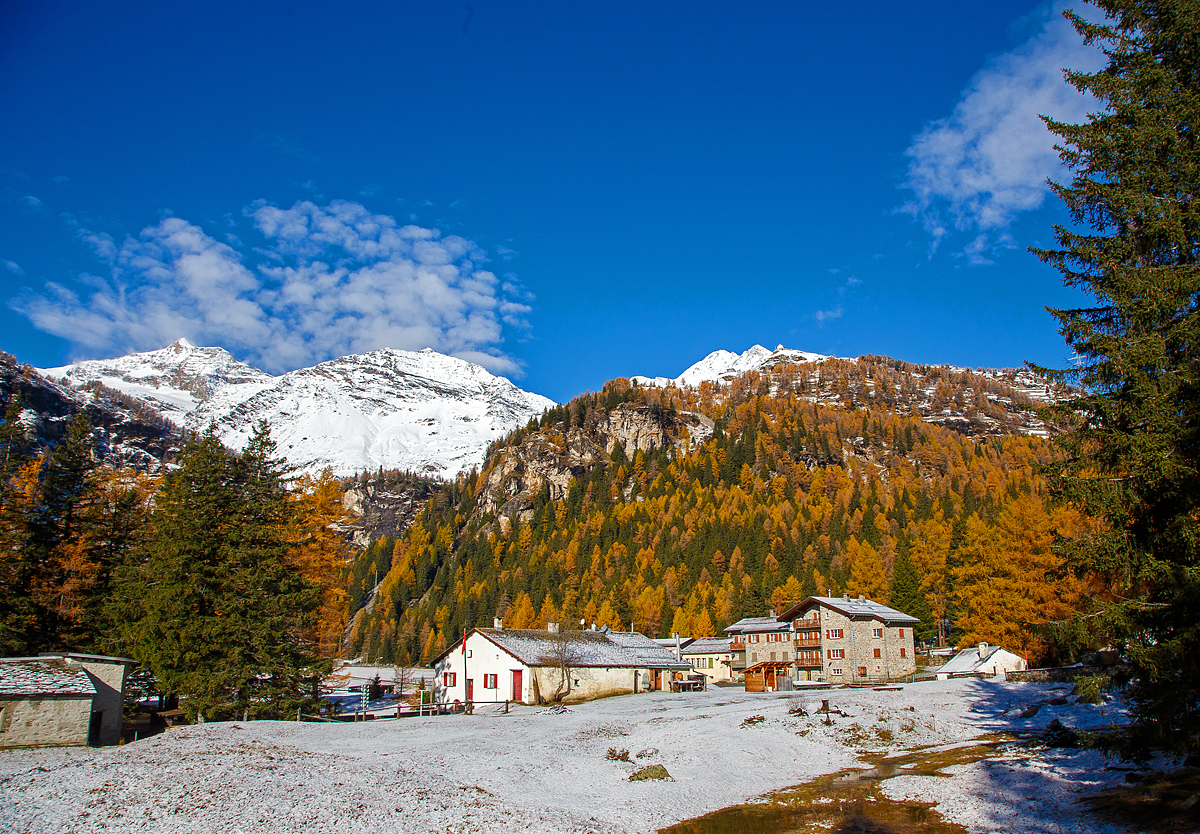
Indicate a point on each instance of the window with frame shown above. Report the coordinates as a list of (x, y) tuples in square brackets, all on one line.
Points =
[(837, 672), (489, 682), (878, 653), (833, 633), (449, 679), (836, 654), (862, 671), (877, 632)]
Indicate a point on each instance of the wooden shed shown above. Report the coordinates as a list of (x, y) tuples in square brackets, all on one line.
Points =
[(767, 675)]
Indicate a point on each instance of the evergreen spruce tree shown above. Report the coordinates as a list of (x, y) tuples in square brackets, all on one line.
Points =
[(220, 612), (906, 595), (1133, 454)]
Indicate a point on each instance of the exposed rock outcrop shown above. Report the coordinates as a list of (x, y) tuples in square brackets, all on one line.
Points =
[(383, 508), (551, 458)]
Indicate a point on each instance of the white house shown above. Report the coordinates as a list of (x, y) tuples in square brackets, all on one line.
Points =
[(982, 660), (533, 666), (711, 657)]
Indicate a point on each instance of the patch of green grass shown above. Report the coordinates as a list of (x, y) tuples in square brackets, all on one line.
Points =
[(653, 772)]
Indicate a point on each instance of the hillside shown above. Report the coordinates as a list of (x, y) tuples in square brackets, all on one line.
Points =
[(128, 433), (866, 476)]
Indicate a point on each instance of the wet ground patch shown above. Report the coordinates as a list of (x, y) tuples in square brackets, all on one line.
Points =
[(850, 801)]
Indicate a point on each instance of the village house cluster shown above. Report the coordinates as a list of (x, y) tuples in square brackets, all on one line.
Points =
[(832, 640)]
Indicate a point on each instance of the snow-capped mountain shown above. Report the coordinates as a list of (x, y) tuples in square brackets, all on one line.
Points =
[(389, 408), (723, 365)]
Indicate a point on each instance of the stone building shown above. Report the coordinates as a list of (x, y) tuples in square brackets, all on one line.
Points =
[(828, 639), (61, 700), (846, 640)]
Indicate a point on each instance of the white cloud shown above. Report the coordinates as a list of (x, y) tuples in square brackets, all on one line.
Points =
[(14, 267), (32, 203), (823, 316), (979, 167), (331, 280)]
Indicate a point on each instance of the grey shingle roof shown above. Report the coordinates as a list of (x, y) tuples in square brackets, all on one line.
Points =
[(43, 676), (968, 660), (707, 645), (535, 647), (757, 624), (858, 609)]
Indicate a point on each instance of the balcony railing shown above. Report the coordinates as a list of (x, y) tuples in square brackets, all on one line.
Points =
[(737, 646), (802, 625)]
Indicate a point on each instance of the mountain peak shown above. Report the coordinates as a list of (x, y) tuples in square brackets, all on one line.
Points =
[(722, 365), (389, 408)]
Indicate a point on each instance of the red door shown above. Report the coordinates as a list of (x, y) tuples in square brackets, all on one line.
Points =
[(470, 689), (518, 693)]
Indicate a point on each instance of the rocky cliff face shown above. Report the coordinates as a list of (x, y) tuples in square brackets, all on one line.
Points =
[(383, 509), (550, 458), (127, 433)]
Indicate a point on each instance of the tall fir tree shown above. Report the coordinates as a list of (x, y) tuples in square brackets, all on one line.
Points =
[(1133, 455), (905, 595), (217, 609)]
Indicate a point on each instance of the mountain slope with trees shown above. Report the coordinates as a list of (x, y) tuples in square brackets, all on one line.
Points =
[(816, 477)]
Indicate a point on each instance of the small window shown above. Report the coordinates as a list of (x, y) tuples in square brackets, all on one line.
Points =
[(878, 653), (833, 633), (449, 678), (837, 672), (862, 671), (837, 654), (903, 653), (489, 682), (901, 632), (877, 632)]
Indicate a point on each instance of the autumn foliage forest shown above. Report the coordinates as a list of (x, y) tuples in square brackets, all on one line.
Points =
[(816, 479)]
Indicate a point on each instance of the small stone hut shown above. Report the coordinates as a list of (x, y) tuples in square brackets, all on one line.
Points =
[(62, 700)]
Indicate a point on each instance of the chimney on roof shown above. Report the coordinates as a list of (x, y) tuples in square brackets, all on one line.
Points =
[(829, 592), (772, 612), (862, 598), (846, 597), (552, 628), (498, 623), (983, 647)]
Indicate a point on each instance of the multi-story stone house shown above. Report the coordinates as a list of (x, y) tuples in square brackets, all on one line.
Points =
[(830, 639), (845, 640)]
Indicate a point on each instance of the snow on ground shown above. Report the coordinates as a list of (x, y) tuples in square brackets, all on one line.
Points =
[(536, 771)]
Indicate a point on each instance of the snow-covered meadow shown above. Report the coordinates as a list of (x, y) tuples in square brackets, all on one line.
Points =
[(534, 770)]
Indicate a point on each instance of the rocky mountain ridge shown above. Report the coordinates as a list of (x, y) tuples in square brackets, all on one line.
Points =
[(127, 432), (391, 409)]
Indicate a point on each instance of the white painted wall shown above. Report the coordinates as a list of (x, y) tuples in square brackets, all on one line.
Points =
[(483, 657)]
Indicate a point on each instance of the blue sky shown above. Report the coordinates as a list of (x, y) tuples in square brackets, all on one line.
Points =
[(565, 192)]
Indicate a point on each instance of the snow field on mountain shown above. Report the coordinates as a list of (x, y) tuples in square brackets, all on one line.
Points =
[(395, 409), (543, 772)]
